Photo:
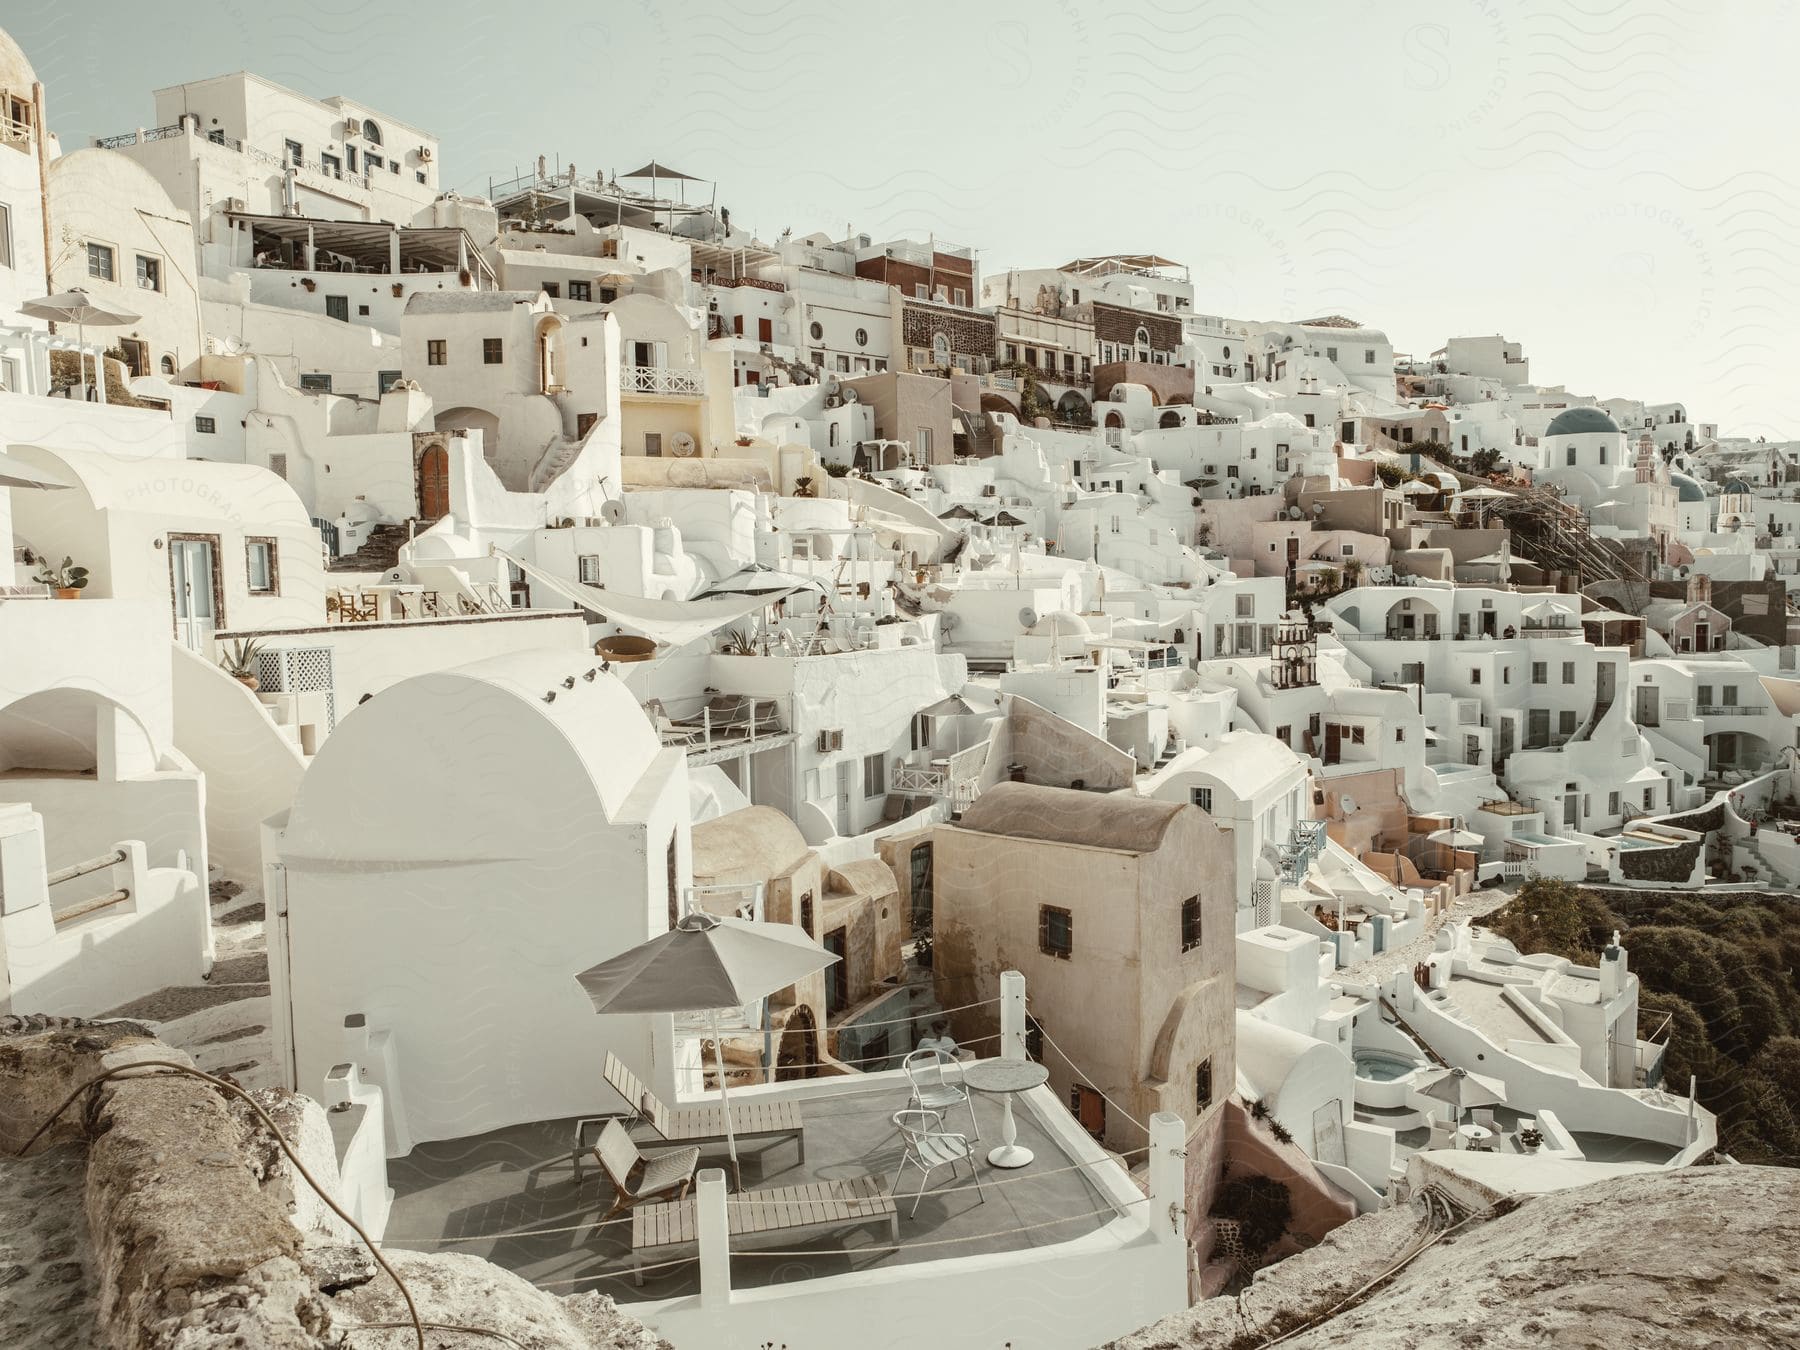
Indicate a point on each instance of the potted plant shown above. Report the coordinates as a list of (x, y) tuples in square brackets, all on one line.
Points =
[(66, 579), (238, 659)]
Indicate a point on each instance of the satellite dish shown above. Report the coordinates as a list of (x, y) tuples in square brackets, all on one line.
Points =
[(850, 396), (1347, 803), (682, 443), (1028, 617), (1294, 513), (613, 513)]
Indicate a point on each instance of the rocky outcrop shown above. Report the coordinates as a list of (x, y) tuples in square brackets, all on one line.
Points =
[(201, 1233), (1696, 1258)]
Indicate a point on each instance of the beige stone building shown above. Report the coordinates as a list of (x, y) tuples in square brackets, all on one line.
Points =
[(1119, 912)]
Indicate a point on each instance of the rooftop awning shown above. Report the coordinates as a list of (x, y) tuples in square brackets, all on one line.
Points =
[(655, 170), (675, 622)]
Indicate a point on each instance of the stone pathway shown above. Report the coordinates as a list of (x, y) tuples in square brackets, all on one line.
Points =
[(47, 1294), (223, 1023)]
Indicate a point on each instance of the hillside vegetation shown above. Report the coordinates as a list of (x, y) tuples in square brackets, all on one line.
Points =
[(1724, 968)]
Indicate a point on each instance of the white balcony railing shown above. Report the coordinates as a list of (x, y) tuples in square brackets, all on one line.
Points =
[(662, 380)]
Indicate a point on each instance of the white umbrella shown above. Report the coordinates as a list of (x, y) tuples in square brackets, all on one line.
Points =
[(76, 306), (705, 963), (16, 473)]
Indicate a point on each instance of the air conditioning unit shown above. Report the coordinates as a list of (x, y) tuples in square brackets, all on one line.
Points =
[(830, 741), (235, 204), (425, 153)]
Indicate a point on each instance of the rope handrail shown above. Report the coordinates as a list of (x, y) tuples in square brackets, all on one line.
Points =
[(692, 1069), (746, 1198), (1049, 1041)]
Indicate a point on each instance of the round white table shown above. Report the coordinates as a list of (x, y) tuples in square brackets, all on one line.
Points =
[(1001, 1078), (1476, 1136)]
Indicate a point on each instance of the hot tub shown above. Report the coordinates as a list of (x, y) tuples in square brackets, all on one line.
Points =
[(1384, 1078)]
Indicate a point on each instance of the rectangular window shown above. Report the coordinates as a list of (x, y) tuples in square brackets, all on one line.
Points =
[(1246, 604), (149, 273), (100, 261), (1331, 353), (316, 384), (581, 290), (1056, 932), (1612, 803), (205, 426), (295, 152), (1202, 798), (553, 290), (1285, 735), (435, 352), (587, 569), (385, 379), (1568, 672), (1475, 676), (331, 164), (5, 236), (1565, 722), (1539, 672), (1089, 1109), (1705, 696), (338, 307), (874, 775), (372, 162), (1203, 1085), (1190, 923), (1730, 692), (1369, 358), (492, 351), (922, 441), (259, 566)]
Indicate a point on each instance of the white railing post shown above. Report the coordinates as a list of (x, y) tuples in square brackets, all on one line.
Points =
[(1012, 1015), (1168, 1178), (712, 1230)]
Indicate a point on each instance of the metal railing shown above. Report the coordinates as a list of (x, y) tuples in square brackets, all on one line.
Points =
[(1305, 842), (661, 380), (1725, 710)]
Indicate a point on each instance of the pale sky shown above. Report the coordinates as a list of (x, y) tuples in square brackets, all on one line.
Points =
[(1604, 181)]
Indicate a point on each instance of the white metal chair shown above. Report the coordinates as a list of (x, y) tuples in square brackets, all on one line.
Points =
[(928, 1146), (930, 1089)]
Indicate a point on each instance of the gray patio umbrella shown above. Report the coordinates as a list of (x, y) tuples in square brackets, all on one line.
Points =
[(1464, 1090), (76, 306), (705, 963)]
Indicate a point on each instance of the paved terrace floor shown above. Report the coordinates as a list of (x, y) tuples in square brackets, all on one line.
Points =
[(453, 1195)]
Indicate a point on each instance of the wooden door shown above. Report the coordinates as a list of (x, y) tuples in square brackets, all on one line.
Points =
[(765, 330), (434, 483)]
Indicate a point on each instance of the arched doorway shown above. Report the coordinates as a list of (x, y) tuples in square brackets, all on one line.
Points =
[(798, 1053), (1169, 419), (1114, 421), (434, 483)]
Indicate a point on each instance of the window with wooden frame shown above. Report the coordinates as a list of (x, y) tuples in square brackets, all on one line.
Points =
[(261, 566), (493, 351), (1056, 932), (1190, 923), (1089, 1108), (436, 352)]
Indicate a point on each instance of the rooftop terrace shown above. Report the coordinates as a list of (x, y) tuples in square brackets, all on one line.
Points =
[(513, 1197)]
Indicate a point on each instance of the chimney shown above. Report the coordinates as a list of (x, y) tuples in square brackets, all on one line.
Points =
[(1613, 968)]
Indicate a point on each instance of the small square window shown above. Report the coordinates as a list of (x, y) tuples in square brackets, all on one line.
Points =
[(259, 566), (1202, 798), (587, 568), (149, 273), (1056, 932), (581, 290), (492, 351), (206, 426), (100, 261), (436, 353)]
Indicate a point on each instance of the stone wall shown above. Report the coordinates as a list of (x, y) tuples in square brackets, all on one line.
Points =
[(203, 1236), (1672, 864)]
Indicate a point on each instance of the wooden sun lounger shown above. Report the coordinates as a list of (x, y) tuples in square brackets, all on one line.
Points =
[(751, 1120), (784, 1213)]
